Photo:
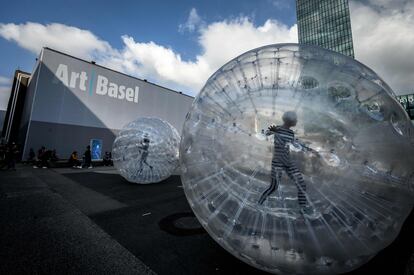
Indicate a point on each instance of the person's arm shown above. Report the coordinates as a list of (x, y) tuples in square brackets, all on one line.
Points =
[(271, 130), (297, 143), (141, 146)]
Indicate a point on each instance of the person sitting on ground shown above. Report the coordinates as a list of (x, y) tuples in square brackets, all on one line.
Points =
[(42, 157), (32, 155), (107, 159), (73, 160), (45, 158), (32, 158), (53, 156)]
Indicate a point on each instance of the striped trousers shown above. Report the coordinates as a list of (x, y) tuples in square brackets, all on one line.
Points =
[(293, 173)]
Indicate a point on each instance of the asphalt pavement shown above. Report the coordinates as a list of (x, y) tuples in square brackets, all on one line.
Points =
[(42, 233), (92, 221)]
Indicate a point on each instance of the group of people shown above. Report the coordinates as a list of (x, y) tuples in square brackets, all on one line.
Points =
[(87, 159), (43, 157), (10, 154)]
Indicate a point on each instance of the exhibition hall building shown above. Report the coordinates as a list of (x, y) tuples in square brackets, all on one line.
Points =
[(67, 103)]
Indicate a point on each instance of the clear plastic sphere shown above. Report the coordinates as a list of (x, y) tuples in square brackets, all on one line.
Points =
[(146, 150), (298, 160)]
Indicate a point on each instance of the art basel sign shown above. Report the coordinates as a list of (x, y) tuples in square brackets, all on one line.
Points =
[(102, 86)]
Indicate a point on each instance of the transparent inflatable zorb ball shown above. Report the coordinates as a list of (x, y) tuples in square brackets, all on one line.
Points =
[(298, 160), (146, 150)]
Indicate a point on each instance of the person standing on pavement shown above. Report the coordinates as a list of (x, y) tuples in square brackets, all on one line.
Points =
[(88, 157), (12, 155)]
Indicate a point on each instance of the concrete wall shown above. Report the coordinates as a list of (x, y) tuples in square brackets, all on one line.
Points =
[(67, 113)]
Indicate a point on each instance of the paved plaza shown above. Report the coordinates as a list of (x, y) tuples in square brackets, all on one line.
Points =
[(92, 221)]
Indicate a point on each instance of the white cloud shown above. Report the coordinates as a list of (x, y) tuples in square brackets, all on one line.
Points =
[(382, 32), (5, 88), (280, 4), (157, 63), (192, 23), (35, 36), (222, 41), (5, 81), (4, 97), (384, 40), (219, 42)]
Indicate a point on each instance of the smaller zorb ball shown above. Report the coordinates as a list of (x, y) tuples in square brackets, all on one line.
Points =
[(146, 150)]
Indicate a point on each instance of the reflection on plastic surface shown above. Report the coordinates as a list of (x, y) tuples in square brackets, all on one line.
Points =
[(146, 150), (297, 159)]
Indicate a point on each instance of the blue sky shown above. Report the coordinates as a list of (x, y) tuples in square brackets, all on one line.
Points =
[(146, 21), (179, 44)]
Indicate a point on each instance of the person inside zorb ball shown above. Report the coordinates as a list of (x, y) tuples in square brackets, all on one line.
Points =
[(146, 150), (281, 162), (144, 146), (297, 159)]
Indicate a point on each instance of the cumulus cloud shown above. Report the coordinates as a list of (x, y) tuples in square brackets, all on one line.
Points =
[(218, 41), (193, 22), (158, 63), (384, 40), (35, 36), (222, 41), (382, 32)]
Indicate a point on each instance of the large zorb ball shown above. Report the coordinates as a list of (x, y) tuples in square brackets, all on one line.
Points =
[(322, 195), (146, 150)]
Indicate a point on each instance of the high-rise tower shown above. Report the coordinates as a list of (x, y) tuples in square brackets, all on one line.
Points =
[(325, 23)]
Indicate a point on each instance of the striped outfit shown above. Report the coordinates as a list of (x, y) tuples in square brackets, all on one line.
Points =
[(144, 147), (281, 162)]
